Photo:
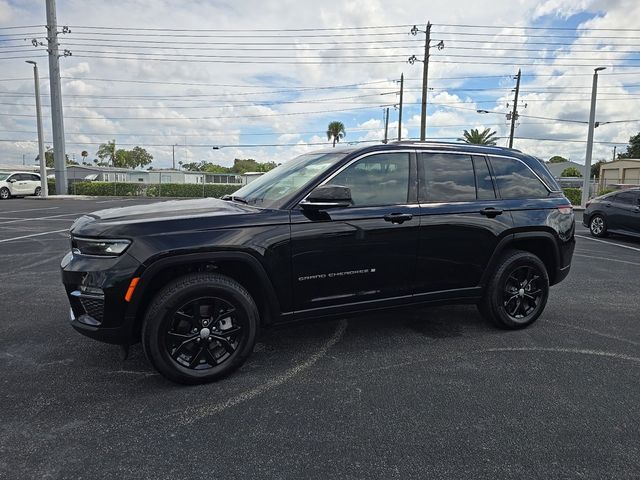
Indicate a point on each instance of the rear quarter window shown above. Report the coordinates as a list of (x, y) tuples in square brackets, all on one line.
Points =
[(543, 172), (516, 180)]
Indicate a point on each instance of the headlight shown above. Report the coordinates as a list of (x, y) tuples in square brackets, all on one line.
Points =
[(98, 247)]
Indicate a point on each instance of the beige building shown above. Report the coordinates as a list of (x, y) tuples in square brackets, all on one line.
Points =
[(621, 173)]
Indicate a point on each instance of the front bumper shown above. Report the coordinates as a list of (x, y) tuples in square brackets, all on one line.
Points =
[(96, 288)]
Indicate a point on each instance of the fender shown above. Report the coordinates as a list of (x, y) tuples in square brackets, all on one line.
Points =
[(509, 239), (182, 259)]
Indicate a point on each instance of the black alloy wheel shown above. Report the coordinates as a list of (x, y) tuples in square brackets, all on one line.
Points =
[(200, 328), (522, 295), (517, 293), (203, 333)]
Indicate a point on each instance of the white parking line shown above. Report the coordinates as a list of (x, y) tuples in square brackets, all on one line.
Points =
[(31, 210), (609, 243), (16, 220), (606, 259), (33, 235)]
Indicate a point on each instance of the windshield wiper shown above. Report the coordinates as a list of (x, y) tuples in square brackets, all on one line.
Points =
[(234, 198)]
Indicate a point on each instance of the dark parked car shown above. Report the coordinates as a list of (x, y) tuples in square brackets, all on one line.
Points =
[(617, 212), (328, 233)]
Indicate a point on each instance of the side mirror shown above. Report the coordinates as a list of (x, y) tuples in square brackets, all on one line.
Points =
[(327, 196), (12, 180)]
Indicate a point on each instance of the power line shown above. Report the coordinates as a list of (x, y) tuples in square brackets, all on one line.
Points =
[(236, 61), (367, 27), (217, 117), (522, 35), (196, 35), (580, 29)]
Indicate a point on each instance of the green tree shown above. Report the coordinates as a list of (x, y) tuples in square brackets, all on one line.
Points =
[(571, 172), (138, 157), (84, 155), (335, 131), (557, 159), (486, 137), (595, 168), (633, 149), (48, 158), (107, 153)]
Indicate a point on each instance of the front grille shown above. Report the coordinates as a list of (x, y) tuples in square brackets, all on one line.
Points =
[(93, 306)]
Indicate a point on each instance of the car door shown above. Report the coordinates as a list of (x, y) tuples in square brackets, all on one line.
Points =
[(364, 252), (23, 183), (461, 221), (33, 182), (15, 184), (623, 213)]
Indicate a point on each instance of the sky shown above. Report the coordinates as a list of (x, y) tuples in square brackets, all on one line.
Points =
[(262, 79)]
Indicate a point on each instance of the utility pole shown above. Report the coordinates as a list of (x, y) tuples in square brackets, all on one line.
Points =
[(44, 188), (173, 155), (425, 79), (386, 125), (514, 113), (592, 121), (614, 153), (425, 74), (56, 100), (400, 108)]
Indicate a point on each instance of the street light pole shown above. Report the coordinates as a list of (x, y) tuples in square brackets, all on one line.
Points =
[(592, 121), (44, 190)]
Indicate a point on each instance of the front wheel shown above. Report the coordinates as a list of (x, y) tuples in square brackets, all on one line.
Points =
[(517, 292), (598, 226), (4, 193), (200, 328)]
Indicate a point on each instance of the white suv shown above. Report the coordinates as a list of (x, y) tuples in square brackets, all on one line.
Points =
[(19, 184)]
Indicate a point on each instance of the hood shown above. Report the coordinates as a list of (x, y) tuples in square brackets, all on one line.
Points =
[(156, 216), (172, 209)]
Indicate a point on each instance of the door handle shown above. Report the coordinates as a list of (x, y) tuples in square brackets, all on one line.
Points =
[(491, 212), (398, 217)]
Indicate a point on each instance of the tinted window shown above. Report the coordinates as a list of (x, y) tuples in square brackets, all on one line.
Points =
[(516, 180), (484, 183), (625, 198), (447, 178), (34, 178), (381, 179)]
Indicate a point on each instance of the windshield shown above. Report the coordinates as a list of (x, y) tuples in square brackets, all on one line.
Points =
[(283, 181), (4, 176)]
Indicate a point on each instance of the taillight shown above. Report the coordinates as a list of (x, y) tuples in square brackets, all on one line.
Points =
[(565, 209)]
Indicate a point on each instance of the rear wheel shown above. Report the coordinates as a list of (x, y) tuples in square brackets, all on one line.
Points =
[(517, 292), (598, 226), (200, 328), (38, 191), (4, 193)]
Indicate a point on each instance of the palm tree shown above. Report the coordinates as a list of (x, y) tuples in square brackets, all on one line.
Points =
[(335, 131), (486, 137)]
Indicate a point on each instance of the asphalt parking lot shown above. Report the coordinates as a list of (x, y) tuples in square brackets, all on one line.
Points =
[(429, 393)]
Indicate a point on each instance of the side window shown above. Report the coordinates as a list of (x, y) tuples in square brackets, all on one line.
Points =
[(625, 198), (34, 178), (447, 178), (381, 179), (516, 180), (484, 183)]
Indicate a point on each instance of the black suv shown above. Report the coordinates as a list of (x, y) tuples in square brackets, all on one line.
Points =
[(328, 233)]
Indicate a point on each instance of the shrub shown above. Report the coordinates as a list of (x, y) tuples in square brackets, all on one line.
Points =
[(573, 194), (184, 190)]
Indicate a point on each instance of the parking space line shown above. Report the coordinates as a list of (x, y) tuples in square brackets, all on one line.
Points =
[(579, 351), (609, 243), (607, 259), (16, 220), (33, 235), (31, 210)]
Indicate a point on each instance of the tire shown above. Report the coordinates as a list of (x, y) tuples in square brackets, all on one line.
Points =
[(598, 226), (38, 191), (200, 328), (517, 292), (5, 193)]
